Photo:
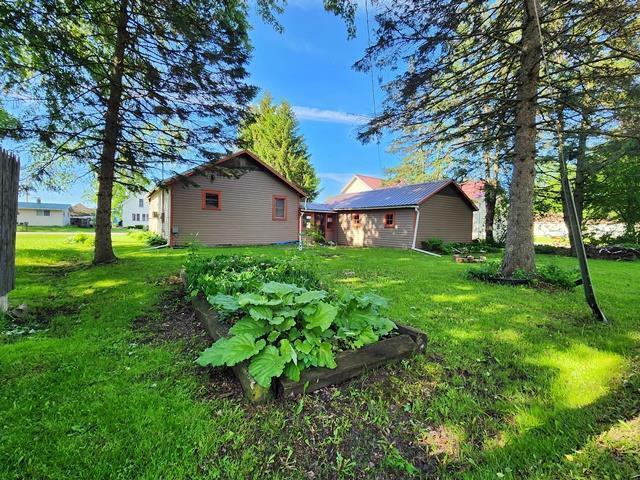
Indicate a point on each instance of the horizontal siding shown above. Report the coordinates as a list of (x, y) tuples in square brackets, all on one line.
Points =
[(155, 213), (372, 232), (447, 216), (246, 214)]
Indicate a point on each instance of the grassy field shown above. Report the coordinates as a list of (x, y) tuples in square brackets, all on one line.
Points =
[(66, 229), (516, 382)]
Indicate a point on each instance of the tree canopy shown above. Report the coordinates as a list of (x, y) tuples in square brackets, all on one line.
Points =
[(119, 86), (271, 131)]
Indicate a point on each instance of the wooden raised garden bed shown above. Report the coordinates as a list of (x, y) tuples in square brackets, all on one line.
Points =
[(351, 363)]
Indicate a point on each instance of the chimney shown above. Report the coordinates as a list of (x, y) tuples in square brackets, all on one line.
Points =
[(38, 200)]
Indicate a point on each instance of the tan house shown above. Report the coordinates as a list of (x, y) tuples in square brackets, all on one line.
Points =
[(400, 216), (361, 183), (237, 200)]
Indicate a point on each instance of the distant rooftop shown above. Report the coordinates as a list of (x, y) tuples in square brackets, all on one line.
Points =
[(398, 196), (43, 206)]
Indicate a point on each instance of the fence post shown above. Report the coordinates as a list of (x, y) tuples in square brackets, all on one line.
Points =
[(9, 178)]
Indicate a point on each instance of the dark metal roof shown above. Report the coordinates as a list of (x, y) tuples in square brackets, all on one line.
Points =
[(43, 206), (397, 196), (316, 207)]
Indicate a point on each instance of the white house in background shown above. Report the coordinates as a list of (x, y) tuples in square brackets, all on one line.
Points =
[(135, 210), (40, 214)]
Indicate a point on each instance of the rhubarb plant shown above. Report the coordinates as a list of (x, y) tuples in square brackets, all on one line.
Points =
[(286, 328)]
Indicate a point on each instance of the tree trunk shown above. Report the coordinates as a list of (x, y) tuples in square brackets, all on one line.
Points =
[(103, 252), (492, 170), (519, 252)]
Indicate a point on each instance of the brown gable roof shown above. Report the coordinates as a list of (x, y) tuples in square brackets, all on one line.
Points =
[(248, 153)]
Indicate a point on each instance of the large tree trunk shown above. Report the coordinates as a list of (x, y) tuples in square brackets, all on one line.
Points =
[(519, 252), (103, 252)]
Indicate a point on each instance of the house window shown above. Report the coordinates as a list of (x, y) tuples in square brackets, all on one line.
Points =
[(133, 217), (307, 221), (389, 220), (211, 200), (356, 220), (279, 208), (141, 202), (43, 213), (329, 221), (144, 217)]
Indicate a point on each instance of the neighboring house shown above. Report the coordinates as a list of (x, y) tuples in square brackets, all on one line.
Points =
[(475, 191), (40, 214), (361, 183), (259, 206), (135, 211), (82, 216), (400, 216)]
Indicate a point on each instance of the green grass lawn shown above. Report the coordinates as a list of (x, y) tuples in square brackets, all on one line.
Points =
[(65, 229), (515, 382)]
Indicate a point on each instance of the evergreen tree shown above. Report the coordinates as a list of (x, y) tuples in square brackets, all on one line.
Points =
[(471, 72), (272, 133), (121, 85)]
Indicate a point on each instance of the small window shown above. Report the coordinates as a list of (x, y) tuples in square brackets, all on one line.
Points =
[(133, 217), (279, 208), (355, 219), (389, 220), (141, 202), (47, 213), (329, 221), (211, 200), (144, 217)]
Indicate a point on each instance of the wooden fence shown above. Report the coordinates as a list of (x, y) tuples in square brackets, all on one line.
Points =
[(9, 178)]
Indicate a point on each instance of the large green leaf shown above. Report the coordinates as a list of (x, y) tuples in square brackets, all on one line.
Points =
[(252, 299), (292, 371), (310, 296), (251, 326), (369, 298), (266, 365), (214, 355), (279, 289), (323, 316), (325, 356), (224, 302), (230, 351), (288, 352), (365, 337), (261, 312)]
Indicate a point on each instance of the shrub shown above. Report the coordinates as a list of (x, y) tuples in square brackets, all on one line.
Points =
[(434, 244), (546, 275), (81, 238), (286, 329), (149, 238), (557, 276)]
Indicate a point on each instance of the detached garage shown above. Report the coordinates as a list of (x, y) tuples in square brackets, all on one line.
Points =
[(401, 216)]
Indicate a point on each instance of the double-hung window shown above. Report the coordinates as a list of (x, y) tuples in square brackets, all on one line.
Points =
[(211, 200), (279, 207)]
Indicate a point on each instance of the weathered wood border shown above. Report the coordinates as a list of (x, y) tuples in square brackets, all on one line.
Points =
[(9, 183), (351, 363)]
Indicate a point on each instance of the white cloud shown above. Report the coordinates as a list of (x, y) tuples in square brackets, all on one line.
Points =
[(333, 116), (340, 178)]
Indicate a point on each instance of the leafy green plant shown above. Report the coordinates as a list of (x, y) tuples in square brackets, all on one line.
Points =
[(546, 275), (149, 238), (286, 328), (81, 238), (232, 274), (434, 245)]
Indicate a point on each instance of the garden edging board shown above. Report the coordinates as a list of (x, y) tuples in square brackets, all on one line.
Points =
[(350, 363)]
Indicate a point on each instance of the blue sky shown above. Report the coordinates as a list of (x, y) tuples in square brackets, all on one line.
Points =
[(309, 65)]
